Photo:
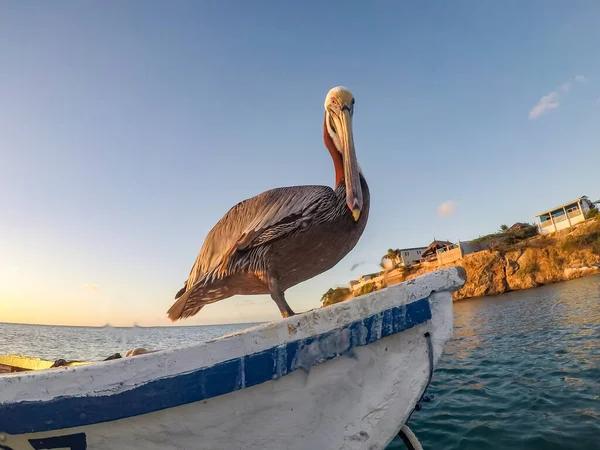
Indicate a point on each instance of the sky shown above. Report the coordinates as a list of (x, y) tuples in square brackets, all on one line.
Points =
[(127, 129)]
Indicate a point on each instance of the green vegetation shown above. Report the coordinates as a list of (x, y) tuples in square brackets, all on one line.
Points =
[(407, 269), (336, 295), (393, 256), (592, 213), (507, 236), (589, 241), (391, 253), (366, 289), (514, 236), (487, 238)]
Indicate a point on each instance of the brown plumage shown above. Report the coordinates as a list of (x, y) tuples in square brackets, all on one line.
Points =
[(277, 239)]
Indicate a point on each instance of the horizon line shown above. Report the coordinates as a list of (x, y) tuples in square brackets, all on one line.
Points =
[(132, 326)]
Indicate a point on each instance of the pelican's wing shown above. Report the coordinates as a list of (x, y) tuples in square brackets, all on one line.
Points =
[(258, 220)]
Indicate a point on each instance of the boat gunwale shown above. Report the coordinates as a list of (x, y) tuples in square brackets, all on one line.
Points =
[(399, 296)]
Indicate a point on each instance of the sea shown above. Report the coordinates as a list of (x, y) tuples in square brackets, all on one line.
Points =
[(522, 370)]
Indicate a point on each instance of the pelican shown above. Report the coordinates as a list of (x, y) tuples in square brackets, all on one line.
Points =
[(284, 236)]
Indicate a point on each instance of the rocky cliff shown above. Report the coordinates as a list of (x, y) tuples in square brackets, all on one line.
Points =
[(534, 262)]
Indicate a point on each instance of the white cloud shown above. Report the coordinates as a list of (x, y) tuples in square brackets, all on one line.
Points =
[(546, 103), (566, 86), (90, 287), (551, 100), (446, 209)]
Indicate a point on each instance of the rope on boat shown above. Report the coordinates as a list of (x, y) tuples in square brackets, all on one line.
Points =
[(409, 438), (405, 433)]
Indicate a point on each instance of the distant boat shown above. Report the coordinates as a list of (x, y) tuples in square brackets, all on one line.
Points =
[(342, 377)]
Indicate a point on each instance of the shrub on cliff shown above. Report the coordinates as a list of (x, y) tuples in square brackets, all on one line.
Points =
[(366, 289), (507, 237), (406, 269), (336, 295), (592, 213), (589, 241), (488, 239), (521, 234)]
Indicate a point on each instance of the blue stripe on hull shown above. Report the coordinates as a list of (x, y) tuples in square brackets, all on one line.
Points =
[(209, 382)]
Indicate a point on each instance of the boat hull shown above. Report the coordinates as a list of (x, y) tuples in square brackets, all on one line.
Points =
[(342, 377)]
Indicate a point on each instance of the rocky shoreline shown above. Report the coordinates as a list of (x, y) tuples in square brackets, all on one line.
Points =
[(526, 264), (534, 262)]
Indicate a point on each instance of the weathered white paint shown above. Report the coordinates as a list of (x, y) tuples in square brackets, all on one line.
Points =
[(351, 402)]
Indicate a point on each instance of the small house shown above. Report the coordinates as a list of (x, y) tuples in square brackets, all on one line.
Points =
[(430, 253), (564, 216), (402, 257), (518, 226)]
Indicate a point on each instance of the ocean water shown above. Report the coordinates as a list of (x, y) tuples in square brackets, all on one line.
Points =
[(97, 343), (522, 370)]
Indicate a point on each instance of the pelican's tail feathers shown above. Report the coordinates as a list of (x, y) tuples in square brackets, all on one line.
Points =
[(191, 302), (181, 291)]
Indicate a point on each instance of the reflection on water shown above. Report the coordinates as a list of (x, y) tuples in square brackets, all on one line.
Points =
[(521, 372)]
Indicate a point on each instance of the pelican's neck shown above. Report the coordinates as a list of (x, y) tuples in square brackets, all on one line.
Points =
[(338, 163)]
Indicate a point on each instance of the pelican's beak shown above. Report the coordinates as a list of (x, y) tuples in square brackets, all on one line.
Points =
[(354, 197)]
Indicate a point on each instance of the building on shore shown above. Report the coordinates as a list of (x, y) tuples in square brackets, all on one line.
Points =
[(517, 226), (563, 216), (402, 257), (431, 252), (410, 256), (446, 252)]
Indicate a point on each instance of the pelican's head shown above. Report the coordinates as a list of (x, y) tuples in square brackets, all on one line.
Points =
[(339, 109)]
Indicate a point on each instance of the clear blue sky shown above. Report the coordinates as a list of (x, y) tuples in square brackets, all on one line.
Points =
[(127, 129)]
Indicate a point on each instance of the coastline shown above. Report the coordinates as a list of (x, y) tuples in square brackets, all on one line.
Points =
[(530, 263)]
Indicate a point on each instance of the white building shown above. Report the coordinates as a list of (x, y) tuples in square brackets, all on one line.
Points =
[(405, 257), (410, 256), (402, 257), (563, 216)]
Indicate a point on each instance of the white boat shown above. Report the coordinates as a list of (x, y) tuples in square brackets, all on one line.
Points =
[(342, 377)]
